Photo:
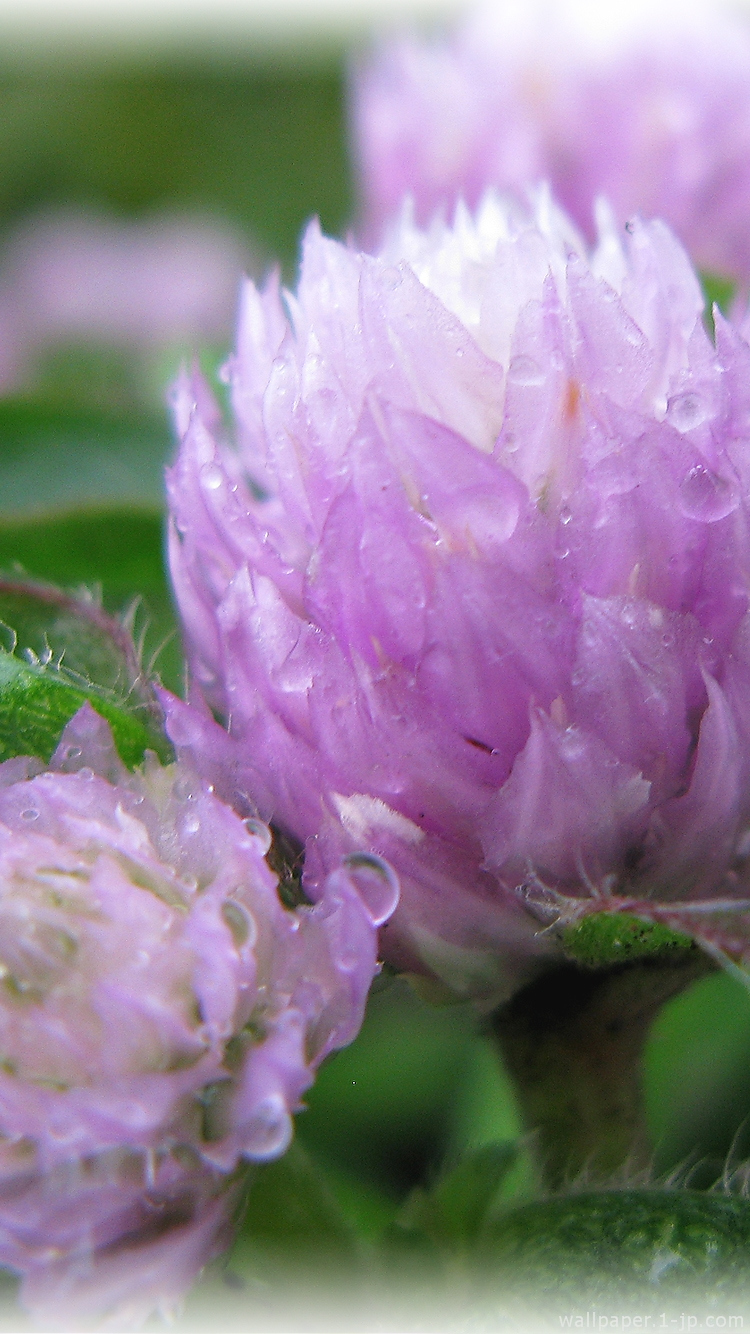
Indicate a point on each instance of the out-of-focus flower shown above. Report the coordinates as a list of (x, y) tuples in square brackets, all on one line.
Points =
[(71, 278), (647, 104), (471, 585), (161, 1015)]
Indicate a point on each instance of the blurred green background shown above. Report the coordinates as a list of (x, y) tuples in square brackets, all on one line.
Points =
[(260, 142)]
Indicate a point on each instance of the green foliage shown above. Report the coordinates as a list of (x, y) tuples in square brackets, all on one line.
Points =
[(455, 1211), (291, 1210), (36, 703), (260, 144), (697, 1078), (54, 454), (64, 651), (118, 551), (601, 939)]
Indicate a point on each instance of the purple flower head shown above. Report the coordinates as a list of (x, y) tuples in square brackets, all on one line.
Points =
[(646, 104), (161, 1015), (470, 584)]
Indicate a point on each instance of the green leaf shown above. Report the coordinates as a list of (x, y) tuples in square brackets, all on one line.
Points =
[(602, 939), (627, 1243), (37, 702), (118, 551), (67, 651)]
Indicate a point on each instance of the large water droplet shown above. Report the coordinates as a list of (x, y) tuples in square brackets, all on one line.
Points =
[(376, 884), (30, 814), (706, 496), (686, 411), (268, 1132)]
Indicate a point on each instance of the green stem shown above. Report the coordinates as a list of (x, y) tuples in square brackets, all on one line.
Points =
[(573, 1041)]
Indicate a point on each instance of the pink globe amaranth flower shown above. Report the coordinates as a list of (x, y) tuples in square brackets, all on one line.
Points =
[(470, 584), (161, 1015), (647, 104)]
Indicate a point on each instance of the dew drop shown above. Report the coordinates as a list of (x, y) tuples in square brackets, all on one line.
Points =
[(86, 774), (268, 1131), (392, 278), (259, 831), (686, 411), (525, 371), (376, 884), (241, 923), (705, 496), (212, 476), (73, 752), (565, 514), (30, 814)]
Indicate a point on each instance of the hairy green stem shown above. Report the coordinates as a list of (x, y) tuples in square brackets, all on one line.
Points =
[(572, 1041)]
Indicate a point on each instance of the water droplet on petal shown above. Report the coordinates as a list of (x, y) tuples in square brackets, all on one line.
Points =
[(259, 831), (376, 884), (686, 411), (212, 476), (30, 814), (525, 371), (268, 1132), (706, 496), (241, 923)]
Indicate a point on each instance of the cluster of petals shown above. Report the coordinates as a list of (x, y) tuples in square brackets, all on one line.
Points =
[(468, 578), (647, 104), (161, 1015)]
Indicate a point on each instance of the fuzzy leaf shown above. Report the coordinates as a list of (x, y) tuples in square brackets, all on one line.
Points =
[(60, 652), (118, 551)]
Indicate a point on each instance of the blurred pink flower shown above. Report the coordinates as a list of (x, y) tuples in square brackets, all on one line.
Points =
[(647, 104), (85, 278)]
